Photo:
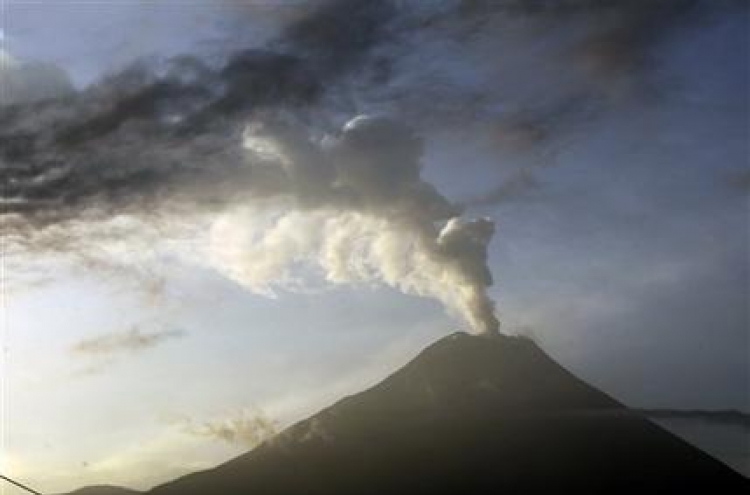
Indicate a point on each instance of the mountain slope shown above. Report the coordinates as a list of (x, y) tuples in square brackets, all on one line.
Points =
[(469, 415), (103, 490)]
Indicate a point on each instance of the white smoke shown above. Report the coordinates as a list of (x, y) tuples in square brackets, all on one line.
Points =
[(352, 209)]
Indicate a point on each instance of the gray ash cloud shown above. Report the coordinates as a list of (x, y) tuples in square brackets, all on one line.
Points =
[(161, 126), (167, 138)]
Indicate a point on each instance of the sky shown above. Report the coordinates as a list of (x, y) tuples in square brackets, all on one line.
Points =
[(219, 217)]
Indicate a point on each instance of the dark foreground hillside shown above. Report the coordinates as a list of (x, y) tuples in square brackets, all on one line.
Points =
[(470, 415)]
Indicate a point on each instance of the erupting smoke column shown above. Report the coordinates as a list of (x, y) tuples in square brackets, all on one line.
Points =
[(354, 207)]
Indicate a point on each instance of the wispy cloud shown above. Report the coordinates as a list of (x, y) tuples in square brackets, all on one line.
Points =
[(128, 341), (246, 428)]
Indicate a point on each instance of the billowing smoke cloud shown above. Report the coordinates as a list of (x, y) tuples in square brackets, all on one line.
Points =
[(357, 210), (161, 143)]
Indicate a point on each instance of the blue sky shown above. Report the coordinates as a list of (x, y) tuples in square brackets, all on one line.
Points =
[(617, 181)]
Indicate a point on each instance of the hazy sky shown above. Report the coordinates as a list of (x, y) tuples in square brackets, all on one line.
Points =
[(186, 257)]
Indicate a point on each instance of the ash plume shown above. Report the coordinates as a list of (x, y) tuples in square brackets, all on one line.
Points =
[(166, 131), (356, 210), (165, 128), (230, 146), (242, 158)]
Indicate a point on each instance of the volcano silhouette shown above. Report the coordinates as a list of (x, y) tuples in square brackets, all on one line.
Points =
[(470, 415)]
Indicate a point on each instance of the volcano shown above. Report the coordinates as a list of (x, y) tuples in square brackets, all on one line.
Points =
[(470, 415)]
